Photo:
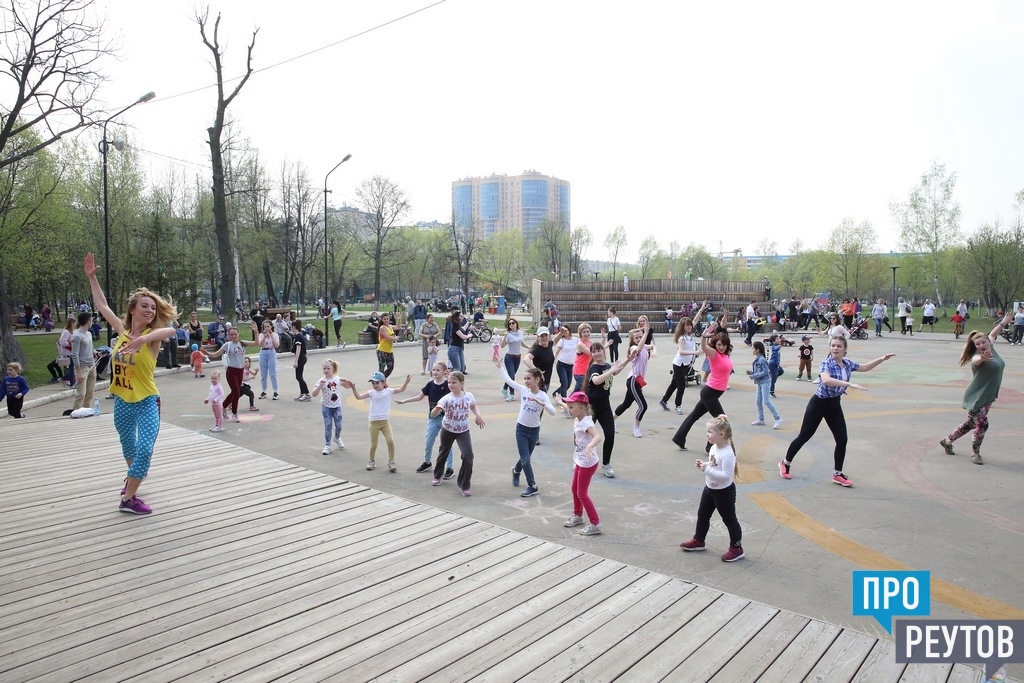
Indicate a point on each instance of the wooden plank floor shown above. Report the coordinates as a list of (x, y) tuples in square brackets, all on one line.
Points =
[(254, 569)]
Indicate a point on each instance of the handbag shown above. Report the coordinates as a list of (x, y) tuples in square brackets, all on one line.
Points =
[(640, 381), (63, 361)]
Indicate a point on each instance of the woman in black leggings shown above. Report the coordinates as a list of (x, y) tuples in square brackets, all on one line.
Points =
[(299, 350), (825, 405), (598, 385), (716, 346)]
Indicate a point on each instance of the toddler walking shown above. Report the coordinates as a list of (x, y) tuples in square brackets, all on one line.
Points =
[(806, 356), (330, 403), (586, 439), (15, 388), (216, 401), (432, 352), (248, 373), (719, 491), (380, 414), (196, 359)]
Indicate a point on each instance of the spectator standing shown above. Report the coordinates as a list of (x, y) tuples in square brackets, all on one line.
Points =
[(85, 363)]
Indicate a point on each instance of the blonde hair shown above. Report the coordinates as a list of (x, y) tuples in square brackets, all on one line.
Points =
[(16, 365), (721, 424), (165, 308), (334, 365), (215, 374), (457, 376), (583, 326), (69, 324)]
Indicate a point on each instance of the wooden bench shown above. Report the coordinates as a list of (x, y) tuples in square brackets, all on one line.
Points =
[(367, 338)]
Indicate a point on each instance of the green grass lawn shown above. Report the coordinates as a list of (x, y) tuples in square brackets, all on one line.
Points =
[(40, 348)]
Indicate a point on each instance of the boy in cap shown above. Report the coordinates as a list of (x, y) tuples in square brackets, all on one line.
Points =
[(806, 356)]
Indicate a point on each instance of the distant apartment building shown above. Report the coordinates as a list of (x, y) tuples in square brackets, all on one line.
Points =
[(500, 202)]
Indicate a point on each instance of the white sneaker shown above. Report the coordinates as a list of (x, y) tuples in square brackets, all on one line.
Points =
[(757, 422), (637, 433), (215, 428), (679, 410), (778, 423), (234, 418), (340, 443), (608, 471), (326, 450)]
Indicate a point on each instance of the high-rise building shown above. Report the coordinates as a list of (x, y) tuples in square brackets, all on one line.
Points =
[(499, 202)]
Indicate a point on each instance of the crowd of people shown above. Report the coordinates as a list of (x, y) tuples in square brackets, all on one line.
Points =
[(585, 366)]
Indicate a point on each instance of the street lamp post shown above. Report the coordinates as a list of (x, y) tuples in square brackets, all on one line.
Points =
[(118, 145), (894, 268), (327, 286)]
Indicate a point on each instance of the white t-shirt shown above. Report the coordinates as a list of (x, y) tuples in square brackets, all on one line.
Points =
[(567, 350), (687, 351), (330, 388), (380, 404), (929, 310), (582, 438), (530, 411), (456, 411), (614, 323)]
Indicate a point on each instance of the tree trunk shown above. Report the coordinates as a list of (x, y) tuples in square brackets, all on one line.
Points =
[(221, 228), (269, 280), (10, 350)]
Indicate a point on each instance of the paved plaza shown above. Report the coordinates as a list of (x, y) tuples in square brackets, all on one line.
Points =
[(911, 506)]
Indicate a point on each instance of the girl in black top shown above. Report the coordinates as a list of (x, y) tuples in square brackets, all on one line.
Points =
[(598, 385), (299, 349), (541, 356)]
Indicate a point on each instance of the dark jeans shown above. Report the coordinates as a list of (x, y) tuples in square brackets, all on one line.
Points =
[(708, 403), (465, 449), (678, 384), (564, 377), (246, 390), (723, 500), (818, 409), (775, 369), (511, 367), (14, 406), (526, 441), (613, 346)]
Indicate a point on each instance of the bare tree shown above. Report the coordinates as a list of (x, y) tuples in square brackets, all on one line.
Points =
[(464, 242), (225, 251), (930, 219), (384, 205), (848, 249), (649, 254), (579, 241), (615, 242), (50, 51)]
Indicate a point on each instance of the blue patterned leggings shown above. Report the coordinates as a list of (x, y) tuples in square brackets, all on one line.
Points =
[(137, 426)]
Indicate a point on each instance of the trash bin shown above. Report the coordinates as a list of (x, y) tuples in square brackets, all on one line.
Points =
[(501, 305)]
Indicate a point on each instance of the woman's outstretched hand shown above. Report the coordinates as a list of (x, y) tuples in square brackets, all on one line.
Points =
[(90, 266)]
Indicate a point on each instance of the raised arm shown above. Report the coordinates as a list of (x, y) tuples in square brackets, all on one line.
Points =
[(872, 364), (98, 297), (994, 334)]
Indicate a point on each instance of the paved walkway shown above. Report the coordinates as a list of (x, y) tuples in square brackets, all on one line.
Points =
[(911, 505)]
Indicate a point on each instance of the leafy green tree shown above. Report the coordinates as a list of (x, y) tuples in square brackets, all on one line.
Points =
[(384, 204), (649, 256), (993, 258), (501, 260), (930, 220), (853, 267)]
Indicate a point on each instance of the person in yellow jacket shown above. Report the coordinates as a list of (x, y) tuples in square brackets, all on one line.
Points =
[(133, 358)]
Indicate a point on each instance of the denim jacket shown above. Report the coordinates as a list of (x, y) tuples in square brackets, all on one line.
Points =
[(759, 371)]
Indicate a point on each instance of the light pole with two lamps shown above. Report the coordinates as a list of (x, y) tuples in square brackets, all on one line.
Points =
[(118, 145), (327, 286)]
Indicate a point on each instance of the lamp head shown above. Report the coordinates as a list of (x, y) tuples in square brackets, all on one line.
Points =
[(147, 97), (347, 157), (118, 144)]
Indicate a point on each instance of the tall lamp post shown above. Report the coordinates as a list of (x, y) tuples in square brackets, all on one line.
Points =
[(118, 145), (327, 286), (894, 269)]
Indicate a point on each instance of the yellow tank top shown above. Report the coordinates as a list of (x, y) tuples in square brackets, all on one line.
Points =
[(383, 344), (132, 377)]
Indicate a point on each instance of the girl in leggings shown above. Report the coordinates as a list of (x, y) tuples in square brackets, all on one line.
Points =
[(299, 350), (835, 372), (716, 346), (640, 353), (533, 402), (598, 386)]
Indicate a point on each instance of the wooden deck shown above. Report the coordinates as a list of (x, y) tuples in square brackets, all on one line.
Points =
[(255, 569)]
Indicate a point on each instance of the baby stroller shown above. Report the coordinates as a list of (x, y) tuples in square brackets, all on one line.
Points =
[(692, 376), (859, 329)]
